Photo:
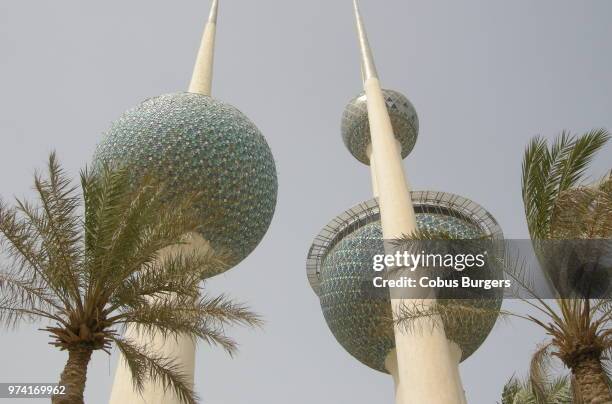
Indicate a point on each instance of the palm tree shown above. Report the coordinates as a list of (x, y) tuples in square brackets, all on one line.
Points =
[(559, 207), (542, 387), (556, 391), (90, 264)]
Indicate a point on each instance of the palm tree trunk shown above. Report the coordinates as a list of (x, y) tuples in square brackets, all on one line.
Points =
[(74, 377), (591, 381)]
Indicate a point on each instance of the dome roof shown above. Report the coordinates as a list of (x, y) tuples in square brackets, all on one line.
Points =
[(199, 144), (356, 126), (340, 272)]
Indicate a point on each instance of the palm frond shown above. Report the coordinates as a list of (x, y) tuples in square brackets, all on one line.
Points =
[(25, 254), (583, 212), (577, 157), (555, 391), (422, 316), (26, 294), (180, 272), (105, 194), (511, 389), (146, 365), (59, 227), (539, 375), (142, 225), (203, 318), (24, 300), (550, 171), (606, 364), (560, 391)]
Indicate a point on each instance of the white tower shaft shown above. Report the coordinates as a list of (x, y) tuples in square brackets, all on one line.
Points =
[(181, 349), (423, 366)]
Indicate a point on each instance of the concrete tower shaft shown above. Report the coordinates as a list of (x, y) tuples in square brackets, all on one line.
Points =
[(194, 143), (425, 366), (183, 348)]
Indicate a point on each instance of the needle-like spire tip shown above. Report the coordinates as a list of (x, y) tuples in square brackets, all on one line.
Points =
[(367, 60), (201, 80), (214, 10)]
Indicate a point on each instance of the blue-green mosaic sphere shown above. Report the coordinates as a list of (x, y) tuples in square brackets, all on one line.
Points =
[(356, 126), (198, 144), (358, 320)]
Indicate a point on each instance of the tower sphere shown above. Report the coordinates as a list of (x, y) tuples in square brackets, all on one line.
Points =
[(198, 144), (356, 127), (340, 272)]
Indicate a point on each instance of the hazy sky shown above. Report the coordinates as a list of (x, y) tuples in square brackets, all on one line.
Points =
[(484, 76)]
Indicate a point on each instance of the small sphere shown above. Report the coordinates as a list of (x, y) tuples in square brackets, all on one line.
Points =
[(340, 272), (198, 144), (356, 127)]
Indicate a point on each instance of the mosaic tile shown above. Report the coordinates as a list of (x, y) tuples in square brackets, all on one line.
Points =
[(198, 144), (356, 127), (359, 321)]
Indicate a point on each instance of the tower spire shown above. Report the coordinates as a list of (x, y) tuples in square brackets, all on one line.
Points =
[(214, 10), (367, 59), (201, 80), (425, 368)]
